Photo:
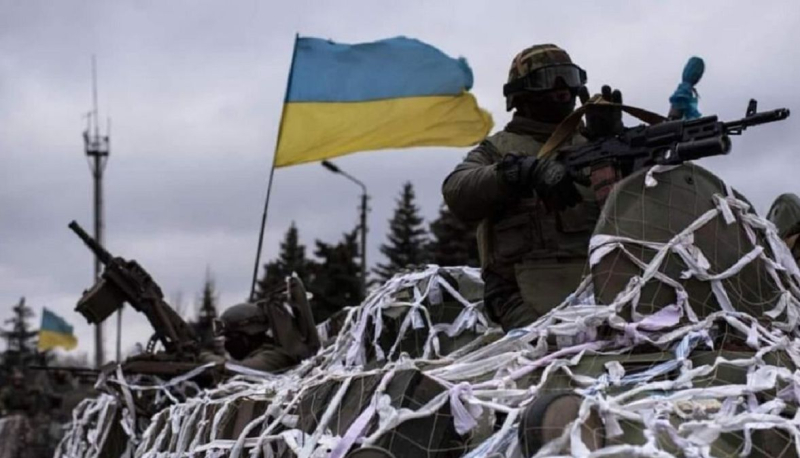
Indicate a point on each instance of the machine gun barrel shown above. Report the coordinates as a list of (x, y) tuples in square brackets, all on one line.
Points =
[(754, 118), (101, 253)]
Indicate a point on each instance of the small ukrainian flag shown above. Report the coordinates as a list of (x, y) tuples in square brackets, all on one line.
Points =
[(392, 93), (55, 332)]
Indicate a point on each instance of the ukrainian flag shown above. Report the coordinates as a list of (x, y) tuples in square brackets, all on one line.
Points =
[(55, 332), (392, 93)]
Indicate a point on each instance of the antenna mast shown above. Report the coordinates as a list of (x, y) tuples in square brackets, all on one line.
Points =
[(97, 150)]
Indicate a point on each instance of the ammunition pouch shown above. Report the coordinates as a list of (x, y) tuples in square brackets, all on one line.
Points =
[(100, 301), (530, 232), (514, 237)]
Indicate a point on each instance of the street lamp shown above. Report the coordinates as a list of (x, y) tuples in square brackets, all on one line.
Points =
[(363, 226)]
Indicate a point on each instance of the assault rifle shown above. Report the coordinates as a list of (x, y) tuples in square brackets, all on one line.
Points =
[(667, 143), (126, 281)]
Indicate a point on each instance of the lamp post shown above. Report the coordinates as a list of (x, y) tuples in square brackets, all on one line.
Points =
[(363, 226)]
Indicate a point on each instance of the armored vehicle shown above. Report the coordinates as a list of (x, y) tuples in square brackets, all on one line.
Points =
[(680, 341)]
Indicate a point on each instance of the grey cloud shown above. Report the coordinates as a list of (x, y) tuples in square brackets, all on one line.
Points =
[(195, 91)]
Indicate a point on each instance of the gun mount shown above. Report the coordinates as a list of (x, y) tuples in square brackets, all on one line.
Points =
[(126, 281)]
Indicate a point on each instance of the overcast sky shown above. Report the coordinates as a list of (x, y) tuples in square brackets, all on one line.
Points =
[(194, 91)]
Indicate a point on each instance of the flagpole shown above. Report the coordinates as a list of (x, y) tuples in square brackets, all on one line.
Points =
[(272, 172)]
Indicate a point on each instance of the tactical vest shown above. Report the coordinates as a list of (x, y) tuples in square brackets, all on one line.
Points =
[(525, 230)]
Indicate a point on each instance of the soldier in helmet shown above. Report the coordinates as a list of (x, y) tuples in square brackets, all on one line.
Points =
[(274, 334), (535, 220), (17, 397), (785, 215), (249, 340)]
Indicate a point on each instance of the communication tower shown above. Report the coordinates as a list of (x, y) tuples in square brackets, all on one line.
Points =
[(97, 149)]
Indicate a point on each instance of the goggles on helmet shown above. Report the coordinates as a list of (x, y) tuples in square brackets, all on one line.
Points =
[(222, 328), (545, 78)]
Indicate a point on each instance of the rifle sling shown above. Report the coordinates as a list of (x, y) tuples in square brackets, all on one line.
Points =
[(570, 124)]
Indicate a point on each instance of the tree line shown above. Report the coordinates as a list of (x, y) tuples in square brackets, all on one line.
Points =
[(21, 336), (331, 275)]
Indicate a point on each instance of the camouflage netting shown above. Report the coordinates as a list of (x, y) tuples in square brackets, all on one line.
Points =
[(418, 369), (26, 436), (15, 436)]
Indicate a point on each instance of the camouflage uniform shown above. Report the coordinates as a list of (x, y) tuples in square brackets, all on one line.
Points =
[(17, 398), (268, 358), (531, 258), (785, 215)]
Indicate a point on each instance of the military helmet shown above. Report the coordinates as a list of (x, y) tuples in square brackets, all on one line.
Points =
[(658, 213), (537, 68), (246, 318)]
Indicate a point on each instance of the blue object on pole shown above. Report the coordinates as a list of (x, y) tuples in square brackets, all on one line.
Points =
[(684, 100)]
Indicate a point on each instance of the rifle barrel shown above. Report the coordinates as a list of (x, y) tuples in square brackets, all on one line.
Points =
[(758, 118)]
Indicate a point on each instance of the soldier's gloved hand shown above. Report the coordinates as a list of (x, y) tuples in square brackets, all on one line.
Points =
[(555, 185), (602, 120), (549, 178), (516, 172)]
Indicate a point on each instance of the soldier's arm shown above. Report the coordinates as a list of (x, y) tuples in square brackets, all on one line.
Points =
[(268, 360), (473, 190)]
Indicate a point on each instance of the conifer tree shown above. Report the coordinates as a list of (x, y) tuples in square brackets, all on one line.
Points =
[(207, 313), (407, 238), (454, 242), (177, 303), (292, 258), (20, 338), (335, 278)]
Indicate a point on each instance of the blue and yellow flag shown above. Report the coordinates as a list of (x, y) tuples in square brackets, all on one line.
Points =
[(392, 93), (55, 332)]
